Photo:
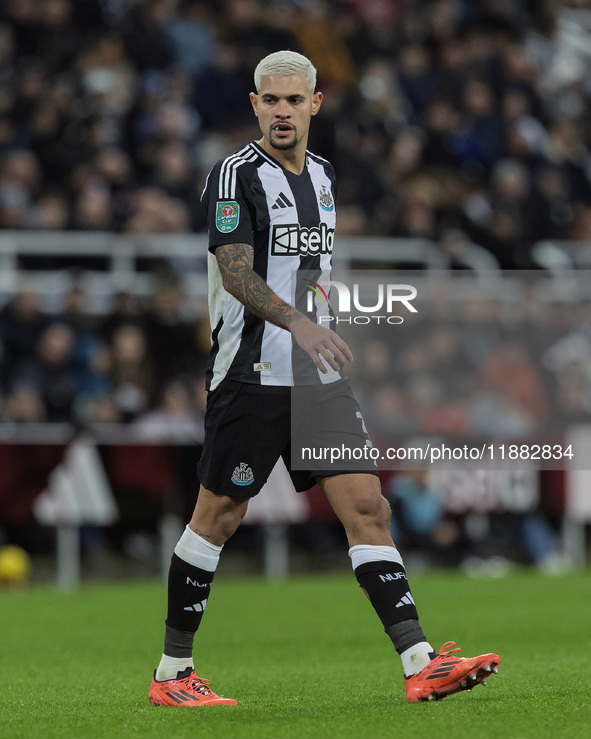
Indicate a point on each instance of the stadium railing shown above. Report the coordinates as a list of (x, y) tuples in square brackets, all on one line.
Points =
[(111, 262), (51, 262)]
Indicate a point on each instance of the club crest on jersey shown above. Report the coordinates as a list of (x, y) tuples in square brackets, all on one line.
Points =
[(227, 216), (325, 199), (242, 475)]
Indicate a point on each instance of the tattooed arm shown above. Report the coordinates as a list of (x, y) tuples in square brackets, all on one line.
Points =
[(240, 280)]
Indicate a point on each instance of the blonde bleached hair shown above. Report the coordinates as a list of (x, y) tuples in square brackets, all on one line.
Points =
[(284, 64)]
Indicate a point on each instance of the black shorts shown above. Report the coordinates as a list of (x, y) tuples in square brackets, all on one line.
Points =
[(248, 427)]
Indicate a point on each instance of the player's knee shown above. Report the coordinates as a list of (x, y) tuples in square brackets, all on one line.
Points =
[(228, 521), (384, 513), (374, 508), (218, 517)]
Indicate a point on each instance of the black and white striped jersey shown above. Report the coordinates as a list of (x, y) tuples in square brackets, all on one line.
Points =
[(289, 219)]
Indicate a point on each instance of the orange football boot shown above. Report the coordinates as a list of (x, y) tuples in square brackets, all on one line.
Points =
[(185, 690), (446, 675)]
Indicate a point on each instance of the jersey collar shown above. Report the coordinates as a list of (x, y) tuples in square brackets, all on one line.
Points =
[(273, 162)]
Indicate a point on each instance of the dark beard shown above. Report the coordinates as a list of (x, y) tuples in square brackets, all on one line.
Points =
[(283, 145)]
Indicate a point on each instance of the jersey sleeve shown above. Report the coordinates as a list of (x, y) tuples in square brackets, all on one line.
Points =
[(333, 179), (229, 205)]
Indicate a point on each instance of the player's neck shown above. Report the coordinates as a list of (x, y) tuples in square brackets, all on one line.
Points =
[(294, 160)]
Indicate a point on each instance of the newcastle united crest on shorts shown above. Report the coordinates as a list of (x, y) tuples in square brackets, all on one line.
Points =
[(242, 474)]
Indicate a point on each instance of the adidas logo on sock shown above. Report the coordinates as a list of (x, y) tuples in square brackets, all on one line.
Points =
[(406, 600), (282, 202), (198, 607)]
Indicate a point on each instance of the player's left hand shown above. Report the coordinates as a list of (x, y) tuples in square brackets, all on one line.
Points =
[(320, 344)]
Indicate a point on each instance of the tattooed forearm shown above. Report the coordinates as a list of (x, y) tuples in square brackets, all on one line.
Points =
[(235, 262), (234, 258)]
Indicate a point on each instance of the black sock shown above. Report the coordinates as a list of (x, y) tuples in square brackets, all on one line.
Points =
[(386, 586), (406, 634), (188, 591), (177, 643)]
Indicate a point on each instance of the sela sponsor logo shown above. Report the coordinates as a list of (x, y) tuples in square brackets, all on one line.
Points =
[(242, 475), (388, 297), (291, 239)]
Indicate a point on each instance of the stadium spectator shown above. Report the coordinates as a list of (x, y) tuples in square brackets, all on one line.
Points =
[(92, 209), (107, 76), (146, 40), (131, 371), (511, 372), (51, 212), (24, 404), (172, 338), (22, 323), (20, 182), (52, 373), (253, 27), (220, 89), (174, 419), (153, 212), (418, 518), (101, 411), (193, 37), (319, 34), (90, 353), (115, 172), (174, 174), (125, 310)]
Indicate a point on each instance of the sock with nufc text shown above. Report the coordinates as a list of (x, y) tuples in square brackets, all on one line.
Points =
[(188, 591), (191, 573), (381, 575)]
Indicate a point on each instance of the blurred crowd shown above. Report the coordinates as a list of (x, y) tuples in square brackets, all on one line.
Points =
[(479, 359), (478, 365), (431, 532), (141, 366), (451, 120)]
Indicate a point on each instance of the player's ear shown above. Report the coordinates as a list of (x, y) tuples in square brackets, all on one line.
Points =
[(316, 102), (254, 101)]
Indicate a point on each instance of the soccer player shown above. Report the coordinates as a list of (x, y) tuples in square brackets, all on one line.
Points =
[(271, 211)]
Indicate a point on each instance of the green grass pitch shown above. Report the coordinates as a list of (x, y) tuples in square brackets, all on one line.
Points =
[(307, 659)]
